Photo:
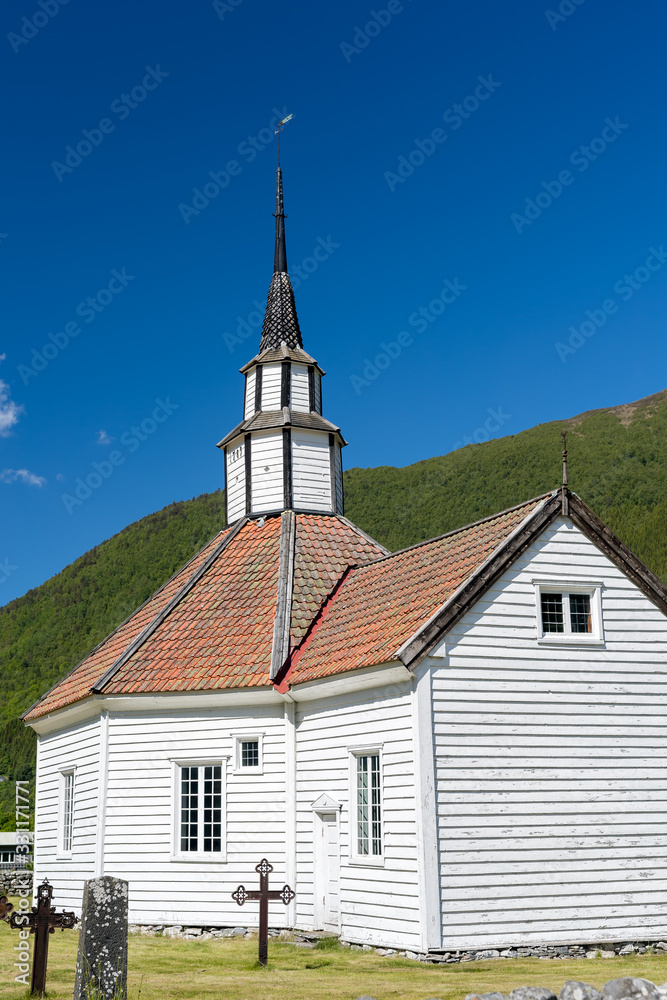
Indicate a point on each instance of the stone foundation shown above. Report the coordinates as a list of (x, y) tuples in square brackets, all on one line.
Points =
[(14, 879), (308, 939)]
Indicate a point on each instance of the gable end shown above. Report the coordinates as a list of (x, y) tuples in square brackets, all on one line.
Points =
[(612, 546), (592, 526)]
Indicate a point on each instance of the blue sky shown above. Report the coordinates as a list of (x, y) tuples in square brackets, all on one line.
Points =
[(477, 180)]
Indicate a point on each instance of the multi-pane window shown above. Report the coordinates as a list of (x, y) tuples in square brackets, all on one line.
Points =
[(249, 753), (580, 613), (568, 614), (369, 805), (67, 811), (200, 829)]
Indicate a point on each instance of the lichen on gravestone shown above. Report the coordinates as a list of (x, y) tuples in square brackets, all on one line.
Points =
[(101, 968)]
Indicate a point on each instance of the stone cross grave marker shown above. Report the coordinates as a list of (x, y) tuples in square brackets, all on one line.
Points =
[(264, 894), (101, 965), (41, 922)]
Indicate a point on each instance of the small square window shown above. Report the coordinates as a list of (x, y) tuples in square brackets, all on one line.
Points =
[(569, 615), (249, 753)]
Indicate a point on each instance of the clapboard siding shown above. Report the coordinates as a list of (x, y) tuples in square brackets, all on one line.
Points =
[(236, 484), (551, 783), (271, 387), (140, 814), (74, 748), (338, 473), (250, 382), (377, 905), (300, 395), (311, 470), (266, 458)]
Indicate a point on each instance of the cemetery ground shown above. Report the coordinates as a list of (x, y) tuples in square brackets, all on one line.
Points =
[(227, 969)]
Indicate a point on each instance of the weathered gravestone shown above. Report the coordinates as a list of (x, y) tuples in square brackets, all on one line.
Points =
[(101, 966)]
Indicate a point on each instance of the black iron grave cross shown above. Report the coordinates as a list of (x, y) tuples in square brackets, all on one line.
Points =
[(42, 921), (264, 894)]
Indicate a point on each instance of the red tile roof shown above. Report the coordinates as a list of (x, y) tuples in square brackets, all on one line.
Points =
[(323, 552), (219, 633), (212, 625), (380, 606)]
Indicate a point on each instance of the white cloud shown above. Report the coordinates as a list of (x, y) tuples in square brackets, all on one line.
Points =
[(12, 475), (103, 438), (9, 410), (59, 477)]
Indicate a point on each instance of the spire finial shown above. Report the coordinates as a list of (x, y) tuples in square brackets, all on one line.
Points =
[(279, 130), (565, 506), (280, 252), (280, 320)]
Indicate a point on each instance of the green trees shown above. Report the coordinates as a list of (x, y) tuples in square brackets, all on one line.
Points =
[(617, 464)]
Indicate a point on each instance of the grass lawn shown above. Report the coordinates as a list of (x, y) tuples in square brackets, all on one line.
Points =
[(163, 968)]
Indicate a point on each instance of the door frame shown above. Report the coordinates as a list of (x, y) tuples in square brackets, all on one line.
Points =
[(325, 805)]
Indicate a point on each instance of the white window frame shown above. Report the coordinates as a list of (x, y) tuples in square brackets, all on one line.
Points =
[(211, 857), (239, 740), (63, 851), (365, 860), (566, 587)]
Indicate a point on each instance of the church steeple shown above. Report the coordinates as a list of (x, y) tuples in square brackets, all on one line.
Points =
[(284, 455), (281, 323), (280, 252)]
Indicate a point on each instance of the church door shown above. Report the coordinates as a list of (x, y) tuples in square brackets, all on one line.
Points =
[(327, 868)]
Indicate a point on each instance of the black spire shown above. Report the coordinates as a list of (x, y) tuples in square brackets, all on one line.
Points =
[(280, 320), (280, 253)]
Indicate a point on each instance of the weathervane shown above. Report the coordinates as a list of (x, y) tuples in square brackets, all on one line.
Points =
[(279, 130)]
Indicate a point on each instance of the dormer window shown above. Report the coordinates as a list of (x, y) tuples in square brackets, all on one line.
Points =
[(570, 614)]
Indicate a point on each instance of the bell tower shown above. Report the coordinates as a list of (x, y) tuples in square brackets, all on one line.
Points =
[(284, 455)]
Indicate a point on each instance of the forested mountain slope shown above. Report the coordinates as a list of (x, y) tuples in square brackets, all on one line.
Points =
[(617, 464)]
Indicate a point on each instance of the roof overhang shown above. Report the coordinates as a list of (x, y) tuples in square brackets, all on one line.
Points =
[(274, 355), (214, 702), (273, 419), (352, 681), (152, 704)]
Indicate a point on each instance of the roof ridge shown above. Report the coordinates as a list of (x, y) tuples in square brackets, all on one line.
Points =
[(456, 531), (122, 624), (152, 626), (363, 534), (282, 624), (281, 679)]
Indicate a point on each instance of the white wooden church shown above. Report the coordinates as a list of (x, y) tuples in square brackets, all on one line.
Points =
[(458, 745)]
